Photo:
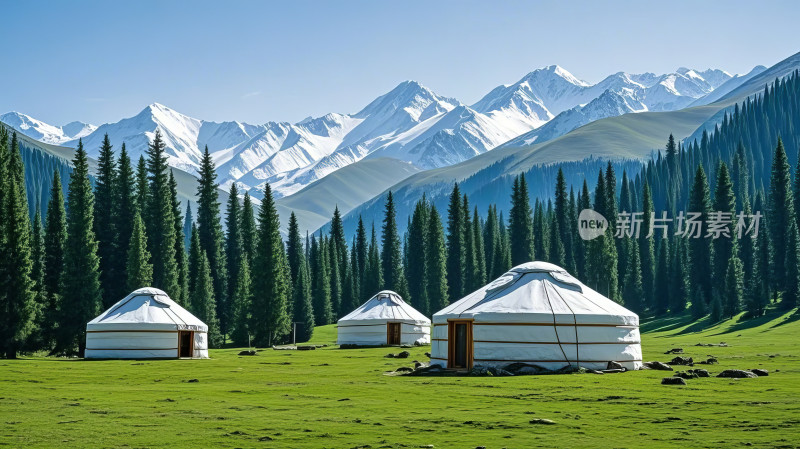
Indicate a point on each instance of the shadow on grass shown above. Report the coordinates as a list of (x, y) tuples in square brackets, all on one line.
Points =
[(789, 319), (666, 324)]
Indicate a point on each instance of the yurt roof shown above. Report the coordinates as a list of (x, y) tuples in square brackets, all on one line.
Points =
[(538, 292), (386, 305), (147, 308)]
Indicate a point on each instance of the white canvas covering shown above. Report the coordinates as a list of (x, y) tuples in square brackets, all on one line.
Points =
[(367, 325), (538, 313), (145, 324)]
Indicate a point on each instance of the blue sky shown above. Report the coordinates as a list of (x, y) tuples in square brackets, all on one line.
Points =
[(259, 61)]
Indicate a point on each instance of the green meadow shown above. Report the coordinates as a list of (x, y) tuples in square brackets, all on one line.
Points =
[(342, 398)]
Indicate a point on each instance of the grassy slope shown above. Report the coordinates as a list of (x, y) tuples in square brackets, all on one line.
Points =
[(347, 187), (340, 398)]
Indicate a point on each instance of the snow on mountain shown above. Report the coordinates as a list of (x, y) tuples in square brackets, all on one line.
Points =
[(623, 93), (185, 137), (410, 123), (610, 103), (44, 132)]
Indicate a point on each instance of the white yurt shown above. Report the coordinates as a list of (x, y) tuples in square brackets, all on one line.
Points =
[(146, 324), (536, 313), (384, 320)]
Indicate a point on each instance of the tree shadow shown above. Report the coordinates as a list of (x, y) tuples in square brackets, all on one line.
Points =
[(666, 324), (789, 319)]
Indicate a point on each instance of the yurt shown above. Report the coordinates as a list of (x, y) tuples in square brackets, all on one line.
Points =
[(146, 324), (384, 320), (536, 313)]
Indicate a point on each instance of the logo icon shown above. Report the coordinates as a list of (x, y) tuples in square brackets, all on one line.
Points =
[(591, 224)]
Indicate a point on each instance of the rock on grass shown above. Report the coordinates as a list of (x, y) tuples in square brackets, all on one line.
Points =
[(543, 421), (657, 366), (673, 381), (760, 372), (737, 374)]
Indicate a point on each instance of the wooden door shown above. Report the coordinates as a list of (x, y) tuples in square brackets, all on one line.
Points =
[(185, 344), (393, 333), (459, 344)]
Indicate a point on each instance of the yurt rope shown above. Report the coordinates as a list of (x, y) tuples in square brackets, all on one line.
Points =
[(555, 326)]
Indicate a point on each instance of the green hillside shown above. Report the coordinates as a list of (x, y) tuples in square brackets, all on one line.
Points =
[(341, 398), (347, 188)]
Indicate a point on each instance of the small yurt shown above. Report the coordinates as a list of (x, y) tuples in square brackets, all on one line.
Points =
[(384, 320), (146, 324), (536, 313)]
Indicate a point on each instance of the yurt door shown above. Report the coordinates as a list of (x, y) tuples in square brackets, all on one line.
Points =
[(185, 344), (393, 333), (459, 351)]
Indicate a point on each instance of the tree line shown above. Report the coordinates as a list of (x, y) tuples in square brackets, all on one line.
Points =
[(249, 285)]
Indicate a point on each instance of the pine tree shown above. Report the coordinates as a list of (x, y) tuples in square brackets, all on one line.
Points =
[(80, 281), (294, 248), (436, 264), (209, 228), (181, 264), (455, 245), (188, 222), (562, 225), (233, 241), (352, 289), (340, 244), (321, 284), (734, 287), (361, 249), (17, 296), (194, 260), (724, 245), (160, 220), (698, 306), (781, 214), (541, 239), (104, 223), (679, 279), (503, 262), (36, 339), (520, 224), (477, 233), (240, 330), (271, 287), (303, 309), (373, 273), (248, 229), (662, 279), (646, 248), (391, 258), (556, 253), (55, 237), (335, 279), (715, 308), (203, 303), (139, 269), (470, 254), (142, 186), (791, 296), (700, 249), (125, 208), (417, 257), (491, 239), (633, 295), (759, 293)]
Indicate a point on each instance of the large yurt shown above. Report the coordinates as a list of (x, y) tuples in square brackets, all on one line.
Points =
[(536, 313), (384, 320), (146, 324)]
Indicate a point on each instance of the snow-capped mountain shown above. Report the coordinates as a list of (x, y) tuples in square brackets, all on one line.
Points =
[(624, 93), (410, 123), (184, 136), (44, 132)]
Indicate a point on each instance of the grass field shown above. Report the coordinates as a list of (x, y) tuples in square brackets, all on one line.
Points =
[(341, 398)]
